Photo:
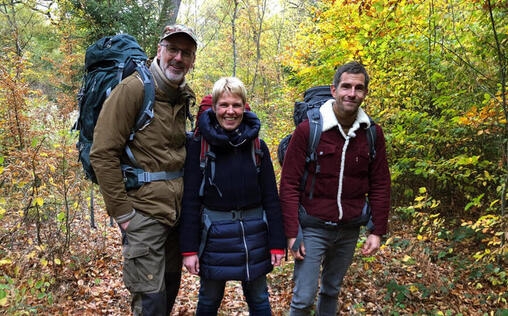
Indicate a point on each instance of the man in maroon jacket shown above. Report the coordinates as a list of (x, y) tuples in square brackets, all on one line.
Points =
[(321, 221)]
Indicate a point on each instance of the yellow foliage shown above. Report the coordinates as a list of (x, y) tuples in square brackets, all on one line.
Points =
[(5, 261), (413, 289), (38, 201), (31, 255), (407, 259)]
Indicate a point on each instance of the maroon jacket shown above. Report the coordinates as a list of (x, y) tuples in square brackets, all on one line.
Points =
[(360, 178)]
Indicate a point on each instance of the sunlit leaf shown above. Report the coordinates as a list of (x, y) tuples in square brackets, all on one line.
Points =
[(38, 201)]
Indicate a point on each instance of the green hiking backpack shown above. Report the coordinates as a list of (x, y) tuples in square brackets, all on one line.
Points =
[(107, 62)]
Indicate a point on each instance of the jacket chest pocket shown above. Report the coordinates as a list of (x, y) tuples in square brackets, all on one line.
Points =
[(358, 160), (328, 160)]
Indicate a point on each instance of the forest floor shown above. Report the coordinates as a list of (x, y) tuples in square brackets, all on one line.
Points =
[(406, 277)]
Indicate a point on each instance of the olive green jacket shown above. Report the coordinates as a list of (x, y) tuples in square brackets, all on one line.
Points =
[(160, 146)]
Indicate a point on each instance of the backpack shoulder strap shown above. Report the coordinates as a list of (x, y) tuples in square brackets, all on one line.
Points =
[(206, 156), (145, 115), (371, 138), (315, 129), (257, 153), (205, 147)]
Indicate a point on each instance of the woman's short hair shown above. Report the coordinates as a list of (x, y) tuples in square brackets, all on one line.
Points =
[(232, 85)]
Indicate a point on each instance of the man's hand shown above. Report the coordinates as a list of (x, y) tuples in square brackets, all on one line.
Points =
[(124, 225), (191, 263), (299, 254), (371, 245)]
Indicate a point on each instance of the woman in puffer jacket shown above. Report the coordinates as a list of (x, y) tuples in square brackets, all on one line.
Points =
[(231, 225)]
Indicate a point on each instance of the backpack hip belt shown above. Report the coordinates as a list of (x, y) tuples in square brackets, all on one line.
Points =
[(307, 220), (146, 177), (210, 216), (234, 215), (134, 178)]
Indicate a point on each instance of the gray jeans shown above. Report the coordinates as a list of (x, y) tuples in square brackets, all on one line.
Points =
[(332, 250)]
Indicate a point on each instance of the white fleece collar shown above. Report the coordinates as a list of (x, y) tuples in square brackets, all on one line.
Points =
[(330, 121)]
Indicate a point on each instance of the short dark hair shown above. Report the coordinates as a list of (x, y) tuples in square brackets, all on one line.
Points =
[(352, 67)]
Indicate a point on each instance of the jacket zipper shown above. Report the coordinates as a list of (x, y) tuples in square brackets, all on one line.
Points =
[(246, 251)]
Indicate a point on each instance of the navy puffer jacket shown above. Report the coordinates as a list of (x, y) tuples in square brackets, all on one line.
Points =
[(234, 250)]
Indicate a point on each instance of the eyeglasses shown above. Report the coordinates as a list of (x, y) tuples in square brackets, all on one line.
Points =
[(173, 51)]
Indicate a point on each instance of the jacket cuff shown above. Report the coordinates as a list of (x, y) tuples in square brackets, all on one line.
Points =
[(277, 251), (125, 217), (187, 254)]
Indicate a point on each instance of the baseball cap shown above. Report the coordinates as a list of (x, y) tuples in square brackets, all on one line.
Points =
[(179, 28)]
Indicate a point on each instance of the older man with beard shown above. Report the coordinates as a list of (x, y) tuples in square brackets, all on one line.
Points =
[(148, 215)]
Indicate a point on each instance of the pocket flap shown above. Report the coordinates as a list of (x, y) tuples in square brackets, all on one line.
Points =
[(135, 252)]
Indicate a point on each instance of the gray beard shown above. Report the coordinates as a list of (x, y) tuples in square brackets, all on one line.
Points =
[(174, 78)]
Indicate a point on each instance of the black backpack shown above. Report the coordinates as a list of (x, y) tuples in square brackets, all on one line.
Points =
[(313, 99), (107, 62)]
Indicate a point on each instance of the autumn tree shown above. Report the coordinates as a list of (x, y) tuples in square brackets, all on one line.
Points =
[(144, 20), (250, 50), (40, 188)]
